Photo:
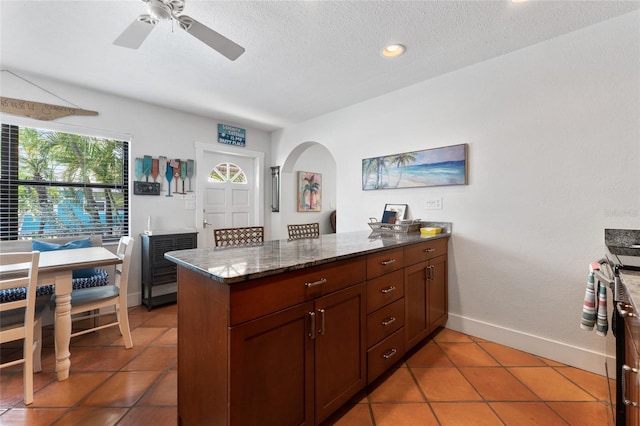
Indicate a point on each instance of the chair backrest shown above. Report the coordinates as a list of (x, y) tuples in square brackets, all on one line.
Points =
[(124, 252), (238, 236), (304, 230), (25, 245), (19, 270)]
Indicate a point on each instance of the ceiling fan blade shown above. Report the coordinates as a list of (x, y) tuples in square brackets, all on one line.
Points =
[(135, 33), (211, 38)]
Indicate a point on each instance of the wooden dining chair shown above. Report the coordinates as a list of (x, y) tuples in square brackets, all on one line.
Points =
[(238, 236), (91, 300), (22, 319), (304, 230)]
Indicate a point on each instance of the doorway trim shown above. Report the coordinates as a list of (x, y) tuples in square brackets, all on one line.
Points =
[(257, 158)]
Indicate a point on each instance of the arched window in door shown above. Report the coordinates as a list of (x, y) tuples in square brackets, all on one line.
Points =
[(228, 172)]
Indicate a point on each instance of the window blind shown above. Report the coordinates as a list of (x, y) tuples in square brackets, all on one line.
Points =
[(56, 184)]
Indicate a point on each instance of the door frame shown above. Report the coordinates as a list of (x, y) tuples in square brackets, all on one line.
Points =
[(257, 158)]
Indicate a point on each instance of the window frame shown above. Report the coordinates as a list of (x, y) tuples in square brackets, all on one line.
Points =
[(10, 181)]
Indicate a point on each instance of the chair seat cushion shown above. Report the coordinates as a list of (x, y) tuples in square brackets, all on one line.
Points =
[(82, 243), (89, 295), (15, 317), (100, 278)]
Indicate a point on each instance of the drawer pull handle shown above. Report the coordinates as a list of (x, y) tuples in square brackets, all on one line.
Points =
[(388, 321), (430, 250), (312, 332), (321, 331), (389, 354), (388, 289), (315, 283), (388, 262)]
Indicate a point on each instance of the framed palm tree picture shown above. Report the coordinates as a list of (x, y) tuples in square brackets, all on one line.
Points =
[(309, 192), (430, 167)]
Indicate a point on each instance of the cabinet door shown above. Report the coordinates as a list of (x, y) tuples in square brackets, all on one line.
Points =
[(415, 297), (271, 369), (340, 348), (631, 389), (437, 302)]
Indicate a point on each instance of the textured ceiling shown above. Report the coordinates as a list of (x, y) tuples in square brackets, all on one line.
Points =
[(302, 59)]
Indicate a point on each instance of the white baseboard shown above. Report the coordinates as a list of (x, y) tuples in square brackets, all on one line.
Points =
[(582, 358)]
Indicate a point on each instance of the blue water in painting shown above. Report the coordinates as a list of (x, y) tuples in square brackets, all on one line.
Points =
[(432, 174)]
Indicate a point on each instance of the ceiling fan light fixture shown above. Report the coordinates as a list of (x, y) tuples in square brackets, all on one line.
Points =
[(159, 10), (137, 32), (393, 50)]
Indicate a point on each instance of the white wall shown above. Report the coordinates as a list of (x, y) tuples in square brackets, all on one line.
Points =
[(553, 133), (308, 157), (153, 131)]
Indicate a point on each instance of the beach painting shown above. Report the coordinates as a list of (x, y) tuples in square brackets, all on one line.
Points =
[(430, 167)]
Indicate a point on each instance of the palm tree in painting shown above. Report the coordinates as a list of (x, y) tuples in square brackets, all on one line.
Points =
[(369, 167), (402, 160), (382, 164), (311, 186)]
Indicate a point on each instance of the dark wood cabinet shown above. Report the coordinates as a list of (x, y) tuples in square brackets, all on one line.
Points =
[(385, 309), (340, 362), (426, 294), (416, 320), (631, 388), (156, 270), (301, 364), (272, 369), (292, 348), (437, 294)]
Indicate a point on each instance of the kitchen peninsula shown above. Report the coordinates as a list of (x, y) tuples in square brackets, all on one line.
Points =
[(287, 332)]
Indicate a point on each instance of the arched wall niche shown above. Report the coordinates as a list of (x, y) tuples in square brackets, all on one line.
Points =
[(308, 156)]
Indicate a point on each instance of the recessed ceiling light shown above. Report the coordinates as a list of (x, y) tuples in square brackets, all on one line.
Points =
[(393, 50)]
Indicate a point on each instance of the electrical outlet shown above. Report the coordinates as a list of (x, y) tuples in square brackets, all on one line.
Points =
[(189, 205), (433, 204)]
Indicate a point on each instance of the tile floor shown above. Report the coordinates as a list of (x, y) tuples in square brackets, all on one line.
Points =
[(454, 379)]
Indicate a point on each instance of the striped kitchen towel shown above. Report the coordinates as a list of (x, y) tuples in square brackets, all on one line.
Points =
[(594, 309)]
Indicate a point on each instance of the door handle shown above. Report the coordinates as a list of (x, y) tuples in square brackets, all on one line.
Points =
[(204, 219), (322, 312), (312, 332)]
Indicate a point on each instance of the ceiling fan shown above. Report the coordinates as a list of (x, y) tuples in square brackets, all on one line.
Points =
[(166, 10)]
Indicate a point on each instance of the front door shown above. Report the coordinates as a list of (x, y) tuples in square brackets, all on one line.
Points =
[(227, 186)]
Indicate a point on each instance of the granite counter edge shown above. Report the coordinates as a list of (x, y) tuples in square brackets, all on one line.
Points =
[(291, 268)]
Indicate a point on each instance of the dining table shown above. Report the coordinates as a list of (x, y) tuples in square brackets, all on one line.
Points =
[(56, 267)]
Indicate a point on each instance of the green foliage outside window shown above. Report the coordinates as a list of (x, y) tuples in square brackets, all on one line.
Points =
[(62, 184)]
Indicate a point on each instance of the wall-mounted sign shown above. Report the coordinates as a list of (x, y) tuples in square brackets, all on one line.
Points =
[(231, 135)]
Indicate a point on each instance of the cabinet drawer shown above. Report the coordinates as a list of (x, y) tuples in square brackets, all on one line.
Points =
[(384, 262), (169, 277), (384, 322), (256, 298), (423, 251), (385, 354), (384, 290)]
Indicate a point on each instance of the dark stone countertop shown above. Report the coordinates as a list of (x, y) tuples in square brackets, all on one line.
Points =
[(631, 281), (237, 264), (624, 242)]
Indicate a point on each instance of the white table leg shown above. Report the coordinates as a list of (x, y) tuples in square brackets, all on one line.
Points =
[(63, 324)]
